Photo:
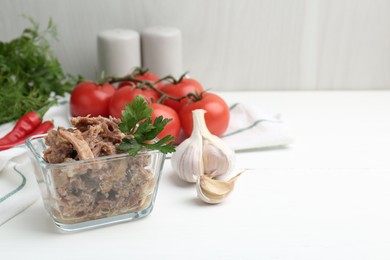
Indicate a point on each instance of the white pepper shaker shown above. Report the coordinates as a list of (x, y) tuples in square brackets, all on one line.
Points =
[(119, 52), (162, 50)]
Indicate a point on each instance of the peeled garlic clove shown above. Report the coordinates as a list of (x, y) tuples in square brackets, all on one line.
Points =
[(213, 191)]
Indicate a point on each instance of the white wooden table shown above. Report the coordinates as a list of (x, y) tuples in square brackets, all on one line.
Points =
[(324, 197)]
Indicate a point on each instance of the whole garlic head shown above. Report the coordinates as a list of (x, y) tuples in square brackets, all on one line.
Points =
[(201, 158), (202, 153)]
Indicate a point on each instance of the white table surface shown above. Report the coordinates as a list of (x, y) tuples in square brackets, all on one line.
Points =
[(326, 196)]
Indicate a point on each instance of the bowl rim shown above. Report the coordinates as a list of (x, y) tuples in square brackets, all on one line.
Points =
[(38, 156)]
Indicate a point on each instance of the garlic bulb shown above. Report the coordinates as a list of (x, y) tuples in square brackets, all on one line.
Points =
[(202, 153), (201, 158), (213, 191)]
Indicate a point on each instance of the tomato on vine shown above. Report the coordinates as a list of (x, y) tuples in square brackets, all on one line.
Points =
[(142, 74), (127, 94), (91, 98), (178, 89), (174, 126), (217, 114)]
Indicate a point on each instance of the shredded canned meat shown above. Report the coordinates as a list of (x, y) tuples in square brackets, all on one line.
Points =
[(95, 189)]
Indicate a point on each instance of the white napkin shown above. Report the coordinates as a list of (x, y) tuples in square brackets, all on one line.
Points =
[(253, 128), (18, 187)]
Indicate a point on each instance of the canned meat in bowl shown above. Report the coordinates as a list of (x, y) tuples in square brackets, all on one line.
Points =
[(82, 194)]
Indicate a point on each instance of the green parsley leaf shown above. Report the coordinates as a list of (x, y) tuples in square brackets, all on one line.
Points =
[(136, 121), (159, 124), (131, 146), (159, 145), (144, 129), (134, 112)]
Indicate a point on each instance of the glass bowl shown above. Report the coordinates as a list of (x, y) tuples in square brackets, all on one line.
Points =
[(90, 193)]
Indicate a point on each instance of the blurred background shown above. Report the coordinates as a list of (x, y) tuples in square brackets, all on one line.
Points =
[(231, 44)]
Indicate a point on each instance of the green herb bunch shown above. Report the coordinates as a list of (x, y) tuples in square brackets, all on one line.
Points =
[(137, 122), (30, 73)]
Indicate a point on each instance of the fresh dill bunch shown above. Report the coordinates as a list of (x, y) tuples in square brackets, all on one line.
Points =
[(30, 72)]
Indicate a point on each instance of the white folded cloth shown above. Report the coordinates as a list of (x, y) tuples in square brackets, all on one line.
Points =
[(251, 128), (18, 187)]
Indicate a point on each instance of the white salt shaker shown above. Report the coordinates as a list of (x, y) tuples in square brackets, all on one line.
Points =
[(162, 50), (119, 52)]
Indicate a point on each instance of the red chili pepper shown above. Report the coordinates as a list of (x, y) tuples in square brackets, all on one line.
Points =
[(25, 125), (41, 129)]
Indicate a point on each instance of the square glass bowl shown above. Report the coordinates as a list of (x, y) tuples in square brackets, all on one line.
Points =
[(90, 193)]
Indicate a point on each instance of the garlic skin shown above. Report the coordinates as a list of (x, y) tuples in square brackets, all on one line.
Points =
[(213, 191), (187, 161), (202, 153), (218, 158)]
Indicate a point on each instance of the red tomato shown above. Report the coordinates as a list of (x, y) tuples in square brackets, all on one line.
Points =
[(180, 89), (173, 127), (217, 114), (143, 76), (89, 98), (126, 94)]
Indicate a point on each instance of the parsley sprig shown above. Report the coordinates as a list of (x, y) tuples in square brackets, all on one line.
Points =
[(137, 122)]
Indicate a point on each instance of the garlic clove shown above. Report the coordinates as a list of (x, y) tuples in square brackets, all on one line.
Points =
[(214, 191), (218, 158), (187, 160)]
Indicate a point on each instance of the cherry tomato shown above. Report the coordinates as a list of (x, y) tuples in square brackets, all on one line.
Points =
[(217, 114), (143, 76), (89, 98), (180, 89), (173, 127), (126, 94)]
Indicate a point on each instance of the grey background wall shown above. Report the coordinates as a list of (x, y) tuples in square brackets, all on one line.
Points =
[(232, 44)]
